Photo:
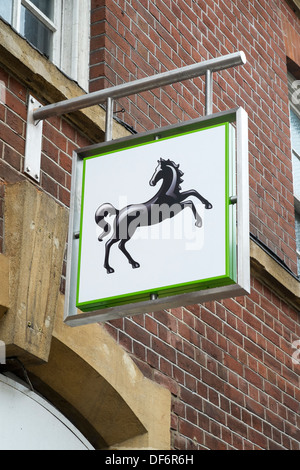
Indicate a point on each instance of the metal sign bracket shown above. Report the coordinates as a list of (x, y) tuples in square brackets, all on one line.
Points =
[(37, 113), (33, 147)]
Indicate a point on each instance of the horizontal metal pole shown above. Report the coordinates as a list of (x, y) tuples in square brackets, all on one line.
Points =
[(137, 86)]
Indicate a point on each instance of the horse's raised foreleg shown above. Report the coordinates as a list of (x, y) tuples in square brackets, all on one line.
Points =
[(191, 205), (105, 232), (193, 192), (133, 263), (108, 246)]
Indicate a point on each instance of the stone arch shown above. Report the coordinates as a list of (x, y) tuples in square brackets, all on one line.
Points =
[(97, 386)]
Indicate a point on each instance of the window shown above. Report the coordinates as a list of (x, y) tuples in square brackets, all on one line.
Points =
[(37, 24), (59, 29), (294, 86)]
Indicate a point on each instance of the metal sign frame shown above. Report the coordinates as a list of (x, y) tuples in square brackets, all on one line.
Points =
[(74, 317)]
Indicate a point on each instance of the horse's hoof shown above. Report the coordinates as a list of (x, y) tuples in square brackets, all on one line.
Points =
[(198, 224), (208, 206), (135, 265), (110, 270)]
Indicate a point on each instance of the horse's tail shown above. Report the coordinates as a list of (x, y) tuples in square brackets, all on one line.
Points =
[(100, 215)]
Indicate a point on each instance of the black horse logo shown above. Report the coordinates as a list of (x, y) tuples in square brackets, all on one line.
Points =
[(166, 203)]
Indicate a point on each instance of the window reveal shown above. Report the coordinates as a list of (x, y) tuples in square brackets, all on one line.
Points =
[(295, 140)]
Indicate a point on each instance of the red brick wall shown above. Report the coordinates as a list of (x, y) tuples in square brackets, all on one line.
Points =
[(227, 364), (291, 32), (133, 39)]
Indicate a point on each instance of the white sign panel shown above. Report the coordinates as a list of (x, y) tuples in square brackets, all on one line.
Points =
[(154, 218)]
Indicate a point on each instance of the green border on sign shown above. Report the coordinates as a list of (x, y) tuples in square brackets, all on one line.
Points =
[(230, 275)]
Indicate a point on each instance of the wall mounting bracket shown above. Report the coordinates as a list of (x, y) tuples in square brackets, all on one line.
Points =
[(37, 113), (33, 146)]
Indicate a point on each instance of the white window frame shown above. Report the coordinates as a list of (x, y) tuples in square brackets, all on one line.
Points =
[(74, 60), (70, 28)]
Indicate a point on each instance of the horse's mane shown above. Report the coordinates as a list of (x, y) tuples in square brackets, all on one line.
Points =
[(179, 173)]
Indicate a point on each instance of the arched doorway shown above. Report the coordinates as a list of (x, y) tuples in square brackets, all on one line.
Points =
[(29, 422)]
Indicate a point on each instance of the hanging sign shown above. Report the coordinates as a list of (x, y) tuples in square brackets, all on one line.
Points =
[(157, 219)]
